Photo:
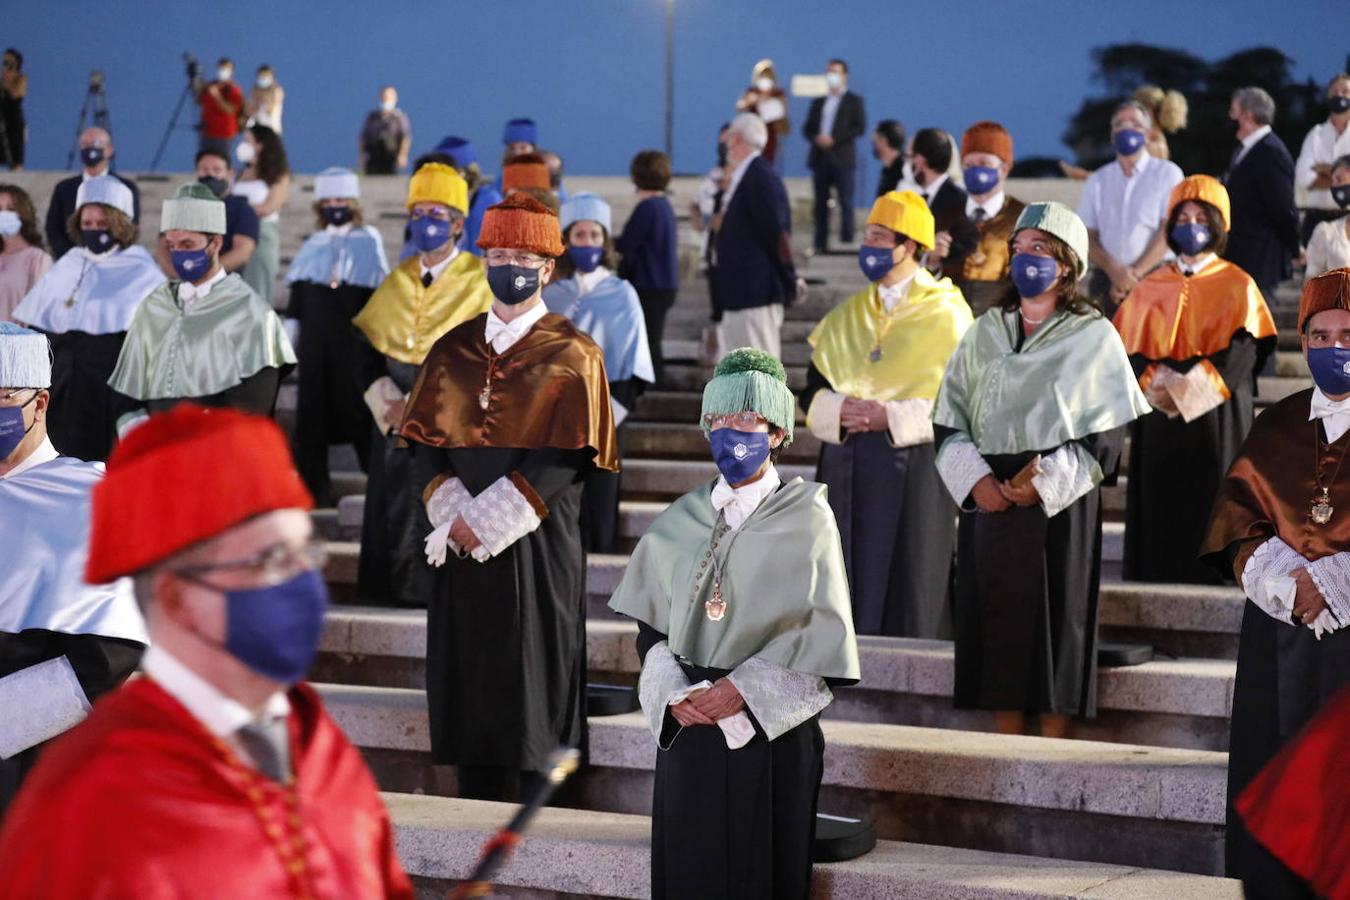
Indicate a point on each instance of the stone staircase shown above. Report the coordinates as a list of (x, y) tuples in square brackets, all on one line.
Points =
[(1130, 805)]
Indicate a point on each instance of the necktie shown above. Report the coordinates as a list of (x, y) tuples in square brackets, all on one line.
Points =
[(980, 215), (268, 743), (427, 279)]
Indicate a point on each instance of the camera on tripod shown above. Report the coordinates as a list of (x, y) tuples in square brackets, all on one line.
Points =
[(194, 68), (96, 80)]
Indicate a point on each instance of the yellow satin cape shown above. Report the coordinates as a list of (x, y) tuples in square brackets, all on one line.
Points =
[(924, 331), (402, 319)]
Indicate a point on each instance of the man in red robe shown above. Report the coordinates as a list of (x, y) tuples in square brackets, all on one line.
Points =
[(215, 772)]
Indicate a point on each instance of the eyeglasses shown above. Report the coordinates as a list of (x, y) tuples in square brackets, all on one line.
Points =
[(10, 398), (741, 421), (511, 257), (278, 563)]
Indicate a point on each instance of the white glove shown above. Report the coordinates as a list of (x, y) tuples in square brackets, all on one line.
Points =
[(438, 545)]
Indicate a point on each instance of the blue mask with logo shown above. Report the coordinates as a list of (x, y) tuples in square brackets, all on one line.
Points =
[(738, 454), (875, 262), (512, 284), (1032, 275), (336, 215), (91, 156), (586, 259), (1129, 141), (1191, 238), (980, 179), (96, 240), (1330, 367), (429, 234), (275, 630), (1338, 104), (1341, 194), (191, 265), (12, 430)]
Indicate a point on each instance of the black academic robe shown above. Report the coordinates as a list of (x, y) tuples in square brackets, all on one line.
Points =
[(733, 824), (898, 527), (256, 394), (82, 417), (1026, 596), (330, 408), (392, 570), (600, 499), (506, 638), (1176, 468)]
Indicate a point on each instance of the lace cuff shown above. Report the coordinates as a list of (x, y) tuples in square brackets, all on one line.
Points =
[(1066, 475), (1266, 579), (1331, 574), (447, 501), (780, 699), (661, 679), (822, 419), (40, 702), (910, 422), (960, 464), (379, 397), (502, 514)]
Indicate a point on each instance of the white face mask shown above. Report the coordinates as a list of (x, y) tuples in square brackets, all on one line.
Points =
[(223, 74), (764, 85), (387, 105), (264, 81), (834, 80), (244, 152), (10, 223)]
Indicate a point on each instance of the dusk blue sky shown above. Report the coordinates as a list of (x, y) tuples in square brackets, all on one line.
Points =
[(591, 72)]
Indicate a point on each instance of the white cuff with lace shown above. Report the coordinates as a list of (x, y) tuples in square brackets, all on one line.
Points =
[(1267, 581), (779, 698), (499, 516), (1066, 475), (443, 506), (660, 680), (961, 466), (1331, 574), (910, 422), (822, 418)]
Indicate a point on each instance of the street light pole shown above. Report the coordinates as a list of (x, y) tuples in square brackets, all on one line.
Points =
[(670, 79)]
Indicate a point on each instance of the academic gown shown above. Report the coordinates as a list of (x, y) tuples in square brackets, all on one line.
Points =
[(142, 801), (1027, 582), (896, 520), (84, 304), (46, 609), (1218, 320), (740, 823), (612, 315), (394, 332), (331, 279), (506, 637), (1284, 674)]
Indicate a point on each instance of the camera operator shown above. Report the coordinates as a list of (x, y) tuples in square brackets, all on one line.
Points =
[(222, 103), (96, 156)]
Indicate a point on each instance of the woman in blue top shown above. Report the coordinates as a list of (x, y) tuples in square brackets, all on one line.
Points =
[(607, 308), (650, 246)]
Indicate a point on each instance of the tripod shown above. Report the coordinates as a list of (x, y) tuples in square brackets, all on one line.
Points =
[(188, 91), (94, 111)]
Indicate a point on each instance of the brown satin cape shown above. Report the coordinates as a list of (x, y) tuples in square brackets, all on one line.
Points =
[(989, 261), (548, 390), (1269, 488), (1170, 316)]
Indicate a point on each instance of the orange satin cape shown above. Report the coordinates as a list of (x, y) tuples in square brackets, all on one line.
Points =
[(1170, 316), (549, 389)]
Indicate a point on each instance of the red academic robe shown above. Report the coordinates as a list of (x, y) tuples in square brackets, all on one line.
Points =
[(1299, 806), (140, 801)]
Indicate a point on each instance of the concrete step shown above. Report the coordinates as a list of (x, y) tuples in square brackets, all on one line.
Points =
[(573, 852), (1167, 703), (1112, 803)]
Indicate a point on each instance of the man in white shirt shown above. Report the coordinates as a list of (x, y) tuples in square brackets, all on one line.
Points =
[(834, 122), (1124, 206), (1326, 142)]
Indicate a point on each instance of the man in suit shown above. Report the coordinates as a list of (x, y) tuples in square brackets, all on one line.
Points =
[(752, 273), (957, 236), (1260, 182), (833, 124), (96, 153)]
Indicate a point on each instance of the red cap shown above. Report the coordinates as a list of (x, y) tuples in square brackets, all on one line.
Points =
[(182, 477)]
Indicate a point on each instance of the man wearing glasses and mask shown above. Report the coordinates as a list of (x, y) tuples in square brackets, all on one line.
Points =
[(62, 642), (510, 411), (217, 762)]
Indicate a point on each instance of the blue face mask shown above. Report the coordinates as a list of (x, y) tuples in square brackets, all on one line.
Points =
[(1330, 368), (586, 259), (96, 240), (1128, 142), (1338, 104), (1341, 194), (1191, 238), (91, 156), (275, 630), (980, 179), (429, 234), (191, 265), (12, 430), (875, 262), (513, 284), (336, 215), (738, 454), (1032, 275)]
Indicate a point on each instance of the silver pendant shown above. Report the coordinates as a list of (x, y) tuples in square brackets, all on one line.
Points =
[(875, 355), (715, 607), (1322, 508), (484, 398)]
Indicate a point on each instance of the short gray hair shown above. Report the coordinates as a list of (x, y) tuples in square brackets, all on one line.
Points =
[(1257, 103), (1134, 106), (751, 128)]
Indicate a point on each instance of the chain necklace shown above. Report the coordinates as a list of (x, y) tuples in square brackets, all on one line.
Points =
[(1321, 502), (887, 319), (715, 607), (485, 395)]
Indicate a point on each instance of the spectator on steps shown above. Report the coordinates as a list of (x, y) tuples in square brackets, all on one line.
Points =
[(386, 137), (650, 246), (1330, 244), (1326, 142), (1260, 182), (222, 103), (96, 158), (13, 126), (833, 124), (23, 259), (265, 182), (266, 100)]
